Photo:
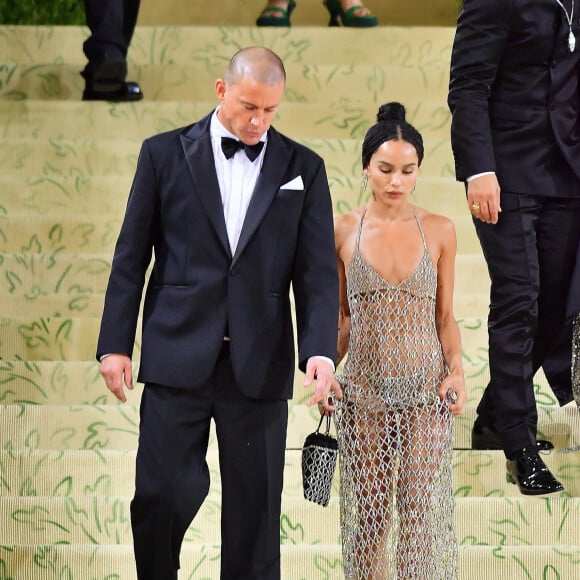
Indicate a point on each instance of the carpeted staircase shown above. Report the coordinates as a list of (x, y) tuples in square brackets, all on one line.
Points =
[(67, 449)]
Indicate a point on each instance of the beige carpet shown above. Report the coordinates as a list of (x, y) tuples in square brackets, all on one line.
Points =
[(66, 447)]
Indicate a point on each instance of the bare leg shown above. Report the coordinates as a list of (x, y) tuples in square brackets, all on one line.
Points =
[(424, 440), (367, 455)]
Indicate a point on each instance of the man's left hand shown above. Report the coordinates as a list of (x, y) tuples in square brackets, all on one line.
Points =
[(319, 370)]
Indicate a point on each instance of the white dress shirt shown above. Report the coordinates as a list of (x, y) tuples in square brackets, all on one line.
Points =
[(237, 177)]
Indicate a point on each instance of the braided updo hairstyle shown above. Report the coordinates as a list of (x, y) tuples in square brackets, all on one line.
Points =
[(391, 125)]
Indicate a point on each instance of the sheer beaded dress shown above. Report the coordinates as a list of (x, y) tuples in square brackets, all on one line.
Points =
[(395, 437)]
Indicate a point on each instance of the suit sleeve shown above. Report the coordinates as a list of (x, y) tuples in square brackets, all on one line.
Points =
[(315, 277), (480, 39), (131, 259)]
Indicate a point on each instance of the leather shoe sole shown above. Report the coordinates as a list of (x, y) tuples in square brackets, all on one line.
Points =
[(127, 92)]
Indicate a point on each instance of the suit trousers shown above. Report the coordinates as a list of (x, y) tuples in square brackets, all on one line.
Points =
[(112, 23), (173, 479), (530, 255)]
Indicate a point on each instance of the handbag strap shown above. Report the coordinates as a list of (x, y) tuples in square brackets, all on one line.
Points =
[(327, 432), (317, 431)]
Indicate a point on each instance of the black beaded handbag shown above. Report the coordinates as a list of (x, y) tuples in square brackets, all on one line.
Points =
[(319, 454)]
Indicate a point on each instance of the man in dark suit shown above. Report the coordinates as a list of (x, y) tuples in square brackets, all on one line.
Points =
[(235, 213), (514, 96), (112, 23)]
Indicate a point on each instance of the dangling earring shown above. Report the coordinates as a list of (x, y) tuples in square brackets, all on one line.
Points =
[(413, 191), (364, 182)]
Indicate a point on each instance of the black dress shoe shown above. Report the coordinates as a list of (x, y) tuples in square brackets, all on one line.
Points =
[(483, 437), (128, 91), (531, 475)]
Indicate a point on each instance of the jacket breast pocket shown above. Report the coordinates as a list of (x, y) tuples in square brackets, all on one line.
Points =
[(292, 195)]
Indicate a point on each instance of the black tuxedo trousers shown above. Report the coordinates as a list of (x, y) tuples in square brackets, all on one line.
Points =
[(173, 479), (529, 285), (112, 23)]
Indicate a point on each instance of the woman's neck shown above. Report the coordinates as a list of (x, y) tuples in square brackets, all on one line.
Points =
[(389, 211)]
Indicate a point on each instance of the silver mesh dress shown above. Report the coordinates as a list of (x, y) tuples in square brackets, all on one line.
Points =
[(394, 435)]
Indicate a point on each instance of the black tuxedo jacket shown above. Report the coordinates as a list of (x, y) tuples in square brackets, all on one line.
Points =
[(515, 97), (197, 291)]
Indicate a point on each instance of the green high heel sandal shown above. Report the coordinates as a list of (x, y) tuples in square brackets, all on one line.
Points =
[(276, 16), (348, 17)]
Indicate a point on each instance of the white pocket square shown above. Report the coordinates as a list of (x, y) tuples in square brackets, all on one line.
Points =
[(295, 183)]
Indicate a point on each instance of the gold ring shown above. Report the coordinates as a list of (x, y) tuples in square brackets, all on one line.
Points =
[(475, 206)]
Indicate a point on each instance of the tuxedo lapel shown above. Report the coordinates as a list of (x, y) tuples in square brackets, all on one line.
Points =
[(198, 151), (276, 161)]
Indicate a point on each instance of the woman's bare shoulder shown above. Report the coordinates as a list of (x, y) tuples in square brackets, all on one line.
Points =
[(434, 221), (439, 229), (345, 223)]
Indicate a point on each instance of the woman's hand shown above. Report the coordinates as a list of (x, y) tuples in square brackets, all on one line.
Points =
[(452, 389)]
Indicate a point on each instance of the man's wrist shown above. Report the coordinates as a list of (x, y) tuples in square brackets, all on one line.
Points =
[(328, 360)]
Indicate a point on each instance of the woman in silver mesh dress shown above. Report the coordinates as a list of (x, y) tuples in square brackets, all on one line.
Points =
[(403, 379)]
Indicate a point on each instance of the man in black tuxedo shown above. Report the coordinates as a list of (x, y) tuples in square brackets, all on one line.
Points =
[(514, 95), (112, 23), (235, 213)]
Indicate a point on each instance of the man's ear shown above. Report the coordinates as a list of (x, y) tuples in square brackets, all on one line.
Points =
[(220, 89)]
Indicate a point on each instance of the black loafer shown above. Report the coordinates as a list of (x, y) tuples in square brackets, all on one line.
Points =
[(531, 475), (127, 92), (483, 437)]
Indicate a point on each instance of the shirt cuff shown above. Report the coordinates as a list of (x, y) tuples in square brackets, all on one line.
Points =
[(472, 177), (328, 360)]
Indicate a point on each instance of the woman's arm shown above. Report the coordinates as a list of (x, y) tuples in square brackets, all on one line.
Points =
[(447, 328), (343, 315), (340, 235)]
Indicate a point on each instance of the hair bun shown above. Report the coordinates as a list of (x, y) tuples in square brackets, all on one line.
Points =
[(391, 112)]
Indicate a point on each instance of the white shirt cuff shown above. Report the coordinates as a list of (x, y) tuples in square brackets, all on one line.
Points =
[(328, 360), (472, 177)]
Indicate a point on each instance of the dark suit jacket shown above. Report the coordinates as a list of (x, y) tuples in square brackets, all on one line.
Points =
[(198, 291), (514, 95)]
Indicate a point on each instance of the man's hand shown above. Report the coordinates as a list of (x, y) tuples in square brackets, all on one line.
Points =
[(320, 370), (483, 198), (116, 370)]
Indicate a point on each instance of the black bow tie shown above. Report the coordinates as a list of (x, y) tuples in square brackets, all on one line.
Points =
[(230, 146)]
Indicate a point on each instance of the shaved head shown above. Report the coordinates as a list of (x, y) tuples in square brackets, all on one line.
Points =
[(250, 92), (257, 63)]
